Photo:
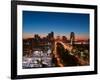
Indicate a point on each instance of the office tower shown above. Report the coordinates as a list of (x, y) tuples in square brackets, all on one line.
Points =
[(72, 38)]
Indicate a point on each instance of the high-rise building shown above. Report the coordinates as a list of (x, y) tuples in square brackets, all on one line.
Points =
[(37, 37), (50, 36), (72, 38), (37, 40)]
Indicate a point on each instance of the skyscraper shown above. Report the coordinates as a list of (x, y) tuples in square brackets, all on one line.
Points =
[(51, 36), (72, 38)]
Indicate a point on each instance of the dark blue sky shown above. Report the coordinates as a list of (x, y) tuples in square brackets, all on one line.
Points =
[(60, 23)]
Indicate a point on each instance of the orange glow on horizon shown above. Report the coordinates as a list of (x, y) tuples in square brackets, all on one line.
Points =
[(77, 37)]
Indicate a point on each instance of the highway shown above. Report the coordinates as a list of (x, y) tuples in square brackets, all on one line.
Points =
[(57, 56), (71, 58)]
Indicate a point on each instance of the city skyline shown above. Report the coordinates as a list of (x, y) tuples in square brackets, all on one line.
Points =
[(60, 23), (83, 37)]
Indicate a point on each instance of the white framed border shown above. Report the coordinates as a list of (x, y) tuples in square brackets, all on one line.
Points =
[(21, 71)]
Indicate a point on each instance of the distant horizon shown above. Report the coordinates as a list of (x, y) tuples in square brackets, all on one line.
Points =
[(77, 37), (42, 23)]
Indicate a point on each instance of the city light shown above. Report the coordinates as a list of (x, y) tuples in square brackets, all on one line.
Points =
[(50, 52)]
